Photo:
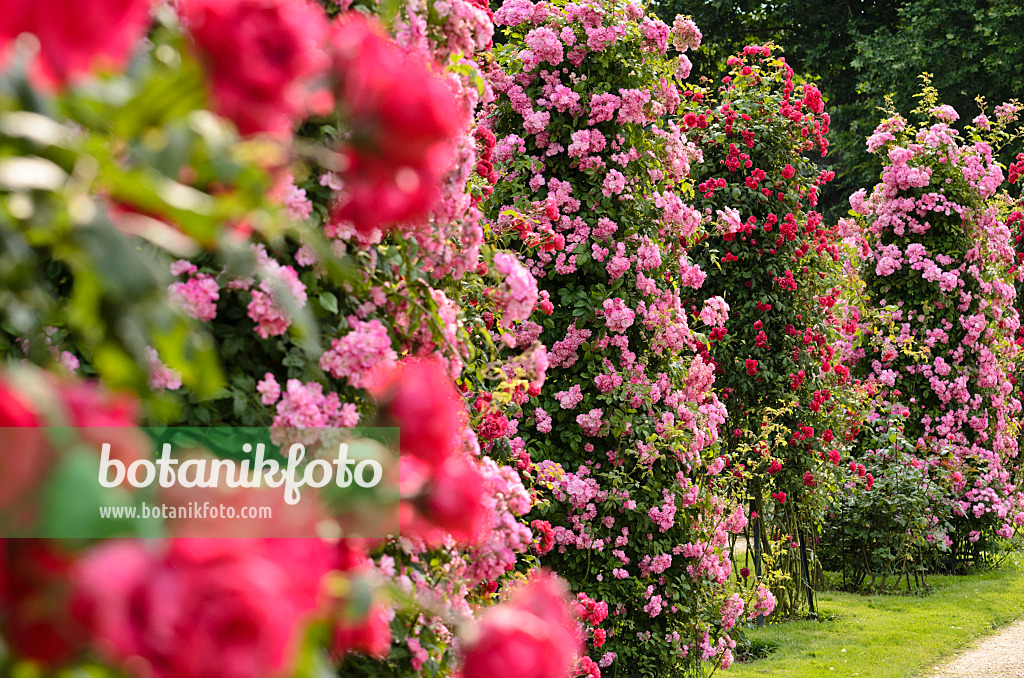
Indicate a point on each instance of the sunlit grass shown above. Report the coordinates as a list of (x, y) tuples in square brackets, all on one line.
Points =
[(891, 636)]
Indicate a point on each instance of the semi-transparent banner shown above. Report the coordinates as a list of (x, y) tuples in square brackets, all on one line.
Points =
[(98, 482)]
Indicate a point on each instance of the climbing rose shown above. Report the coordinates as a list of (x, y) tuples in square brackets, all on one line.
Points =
[(260, 56), (455, 500), (24, 455), (533, 635), (402, 117), (75, 37), (237, 605), (420, 398)]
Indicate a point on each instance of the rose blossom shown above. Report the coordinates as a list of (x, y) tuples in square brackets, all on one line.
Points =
[(260, 55), (533, 635), (75, 38)]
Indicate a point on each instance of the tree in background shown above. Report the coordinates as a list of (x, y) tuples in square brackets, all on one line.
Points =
[(858, 51)]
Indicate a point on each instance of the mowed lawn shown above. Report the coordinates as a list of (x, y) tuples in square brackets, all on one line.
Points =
[(891, 636)]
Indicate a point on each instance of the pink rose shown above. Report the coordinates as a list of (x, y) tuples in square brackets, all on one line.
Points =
[(533, 635), (454, 502)]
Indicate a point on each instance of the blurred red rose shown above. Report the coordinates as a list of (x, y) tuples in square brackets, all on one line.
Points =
[(24, 453), (419, 397), (454, 501), (260, 55), (75, 37), (202, 608), (371, 635), (533, 635), (402, 118), (105, 417), (378, 193), (37, 624)]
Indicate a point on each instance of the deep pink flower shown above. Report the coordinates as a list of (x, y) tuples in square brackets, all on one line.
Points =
[(260, 56), (454, 502), (533, 635), (36, 623), (237, 605), (419, 397), (75, 38), (403, 118)]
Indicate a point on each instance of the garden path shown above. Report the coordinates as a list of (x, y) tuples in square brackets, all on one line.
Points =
[(998, 656)]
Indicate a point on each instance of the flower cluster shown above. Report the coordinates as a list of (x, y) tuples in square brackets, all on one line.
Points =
[(938, 260), (592, 173)]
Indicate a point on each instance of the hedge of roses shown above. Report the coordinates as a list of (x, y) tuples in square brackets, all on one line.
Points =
[(937, 265), (540, 263), (593, 175), (775, 264)]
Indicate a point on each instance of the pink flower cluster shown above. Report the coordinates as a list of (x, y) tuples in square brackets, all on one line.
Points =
[(357, 353)]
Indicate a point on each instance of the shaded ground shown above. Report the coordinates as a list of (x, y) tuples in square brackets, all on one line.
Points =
[(999, 656)]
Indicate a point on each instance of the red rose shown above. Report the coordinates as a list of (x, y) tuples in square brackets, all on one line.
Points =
[(204, 608), (751, 366), (24, 453), (493, 426), (371, 635), (533, 635), (104, 417), (546, 537), (419, 397), (870, 480), (75, 38), (36, 621), (812, 99), (403, 119), (260, 55)]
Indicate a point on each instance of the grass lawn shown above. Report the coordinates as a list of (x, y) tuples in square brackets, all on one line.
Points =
[(891, 636)]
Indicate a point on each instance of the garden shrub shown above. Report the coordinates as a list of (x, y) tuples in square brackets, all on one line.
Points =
[(936, 263), (622, 439), (776, 265), (892, 525)]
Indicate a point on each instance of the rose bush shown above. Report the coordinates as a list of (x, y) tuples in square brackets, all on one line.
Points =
[(260, 296), (593, 174), (937, 266), (775, 264)]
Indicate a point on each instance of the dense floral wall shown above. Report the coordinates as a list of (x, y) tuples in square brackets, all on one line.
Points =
[(328, 277), (776, 265), (938, 258), (595, 300), (594, 174)]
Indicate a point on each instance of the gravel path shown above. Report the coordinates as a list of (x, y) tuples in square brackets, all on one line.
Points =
[(999, 656)]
